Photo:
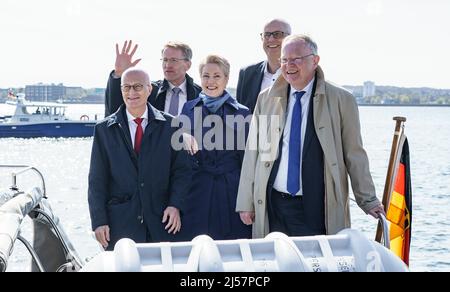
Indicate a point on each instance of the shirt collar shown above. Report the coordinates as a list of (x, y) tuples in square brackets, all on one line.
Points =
[(182, 86), (266, 70), (131, 118)]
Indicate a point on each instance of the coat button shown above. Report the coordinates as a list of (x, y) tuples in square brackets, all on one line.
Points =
[(260, 202), (267, 164), (142, 185)]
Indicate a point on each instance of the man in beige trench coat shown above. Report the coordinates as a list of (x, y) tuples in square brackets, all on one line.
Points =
[(328, 117)]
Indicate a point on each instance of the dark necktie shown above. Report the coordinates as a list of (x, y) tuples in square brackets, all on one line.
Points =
[(295, 146), (139, 135)]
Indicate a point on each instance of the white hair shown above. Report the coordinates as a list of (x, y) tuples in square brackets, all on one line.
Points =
[(136, 70)]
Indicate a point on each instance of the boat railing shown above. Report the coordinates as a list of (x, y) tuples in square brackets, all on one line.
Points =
[(25, 169), (385, 229), (347, 251), (51, 249)]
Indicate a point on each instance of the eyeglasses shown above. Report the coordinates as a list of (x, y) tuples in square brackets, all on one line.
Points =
[(136, 87), (276, 35), (297, 60), (173, 60)]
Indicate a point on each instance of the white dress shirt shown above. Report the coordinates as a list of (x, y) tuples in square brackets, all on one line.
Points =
[(133, 126), (269, 78), (282, 175), (183, 96)]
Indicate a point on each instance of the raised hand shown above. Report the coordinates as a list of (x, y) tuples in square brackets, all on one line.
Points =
[(124, 58)]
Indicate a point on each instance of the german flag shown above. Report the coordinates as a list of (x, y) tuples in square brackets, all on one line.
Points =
[(400, 207)]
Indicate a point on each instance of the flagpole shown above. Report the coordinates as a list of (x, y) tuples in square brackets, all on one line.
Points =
[(391, 169)]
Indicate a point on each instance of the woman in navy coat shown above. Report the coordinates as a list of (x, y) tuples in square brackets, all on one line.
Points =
[(220, 127)]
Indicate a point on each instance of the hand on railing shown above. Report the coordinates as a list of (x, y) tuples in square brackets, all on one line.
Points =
[(385, 229)]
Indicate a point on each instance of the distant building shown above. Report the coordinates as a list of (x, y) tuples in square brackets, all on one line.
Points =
[(369, 89), (45, 92), (94, 99), (95, 91), (74, 92), (3, 93)]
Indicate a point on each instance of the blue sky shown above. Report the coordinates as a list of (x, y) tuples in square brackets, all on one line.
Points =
[(396, 42)]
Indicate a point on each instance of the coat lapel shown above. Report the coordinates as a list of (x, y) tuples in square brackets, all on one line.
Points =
[(154, 119), (120, 119), (259, 78), (160, 101), (310, 123), (278, 95), (191, 94)]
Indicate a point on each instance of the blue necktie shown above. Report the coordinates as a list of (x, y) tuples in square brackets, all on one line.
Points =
[(295, 146)]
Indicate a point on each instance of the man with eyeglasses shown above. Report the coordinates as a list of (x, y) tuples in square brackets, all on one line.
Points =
[(299, 185), (255, 78), (137, 182), (169, 95)]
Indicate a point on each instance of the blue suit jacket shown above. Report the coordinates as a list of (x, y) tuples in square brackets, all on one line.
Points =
[(130, 192), (249, 84)]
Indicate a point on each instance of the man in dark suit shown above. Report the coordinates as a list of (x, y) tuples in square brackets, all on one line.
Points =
[(137, 181), (255, 78), (168, 95)]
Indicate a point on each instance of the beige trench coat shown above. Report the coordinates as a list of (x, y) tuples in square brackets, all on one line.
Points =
[(336, 121)]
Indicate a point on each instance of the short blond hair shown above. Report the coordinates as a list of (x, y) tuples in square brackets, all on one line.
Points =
[(184, 48), (219, 61)]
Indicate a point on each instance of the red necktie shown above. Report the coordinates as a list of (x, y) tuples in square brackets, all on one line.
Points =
[(139, 135)]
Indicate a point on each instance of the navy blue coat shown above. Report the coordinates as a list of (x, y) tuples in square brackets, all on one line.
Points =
[(249, 84), (130, 192), (211, 204)]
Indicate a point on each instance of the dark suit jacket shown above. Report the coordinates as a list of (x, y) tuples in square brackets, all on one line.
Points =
[(249, 84), (157, 98), (130, 192)]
